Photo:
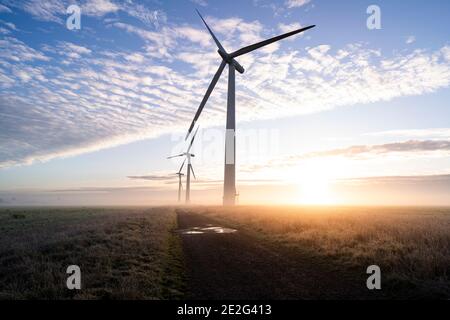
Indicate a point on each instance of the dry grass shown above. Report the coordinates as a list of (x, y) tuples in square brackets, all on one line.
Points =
[(122, 253), (411, 245), (132, 253)]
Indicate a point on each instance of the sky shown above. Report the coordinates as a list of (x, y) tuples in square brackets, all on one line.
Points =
[(341, 114)]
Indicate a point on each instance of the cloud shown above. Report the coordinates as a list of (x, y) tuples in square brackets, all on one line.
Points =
[(202, 3), (99, 8), (5, 9), (296, 3), (147, 16), (410, 39), (55, 10), (267, 4), (55, 104), (10, 25), (409, 148), (284, 28), (15, 50), (153, 177), (69, 50), (162, 38), (289, 27), (194, 35), (49, 10), (237, 32), (396, 147), (431, 133)]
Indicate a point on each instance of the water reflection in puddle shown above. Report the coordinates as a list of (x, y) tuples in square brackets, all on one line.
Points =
[(210, 229)]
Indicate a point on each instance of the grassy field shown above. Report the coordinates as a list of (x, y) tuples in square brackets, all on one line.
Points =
[(411, 245), (133, 253), (122, 253)]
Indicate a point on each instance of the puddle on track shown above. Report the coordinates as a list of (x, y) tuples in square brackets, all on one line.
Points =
[(209, 229)]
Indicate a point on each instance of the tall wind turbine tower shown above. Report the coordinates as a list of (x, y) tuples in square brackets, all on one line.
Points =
[(229, 182)]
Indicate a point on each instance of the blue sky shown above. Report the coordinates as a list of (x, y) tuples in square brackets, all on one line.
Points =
[(82, 110)]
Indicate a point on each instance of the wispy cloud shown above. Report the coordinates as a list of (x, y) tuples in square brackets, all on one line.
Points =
[(10, 25), (63, 99), (410, 148), (12, 49), (68, 49), (5, 9), (99, 8), (150, 17), (296, 3), (202, 3), (432, 133), (55, 10), (396, 147), (44, 10), (153, 177), (410, 39), (284, 28)]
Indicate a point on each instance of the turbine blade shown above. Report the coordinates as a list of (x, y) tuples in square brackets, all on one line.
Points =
[(178, 155), (205, 98), (182, 165), (266, 42), (219, 45), (192, 140), (192, 169)]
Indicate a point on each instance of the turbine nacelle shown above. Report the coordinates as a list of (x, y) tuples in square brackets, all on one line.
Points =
[(187, 154), (228, 59)]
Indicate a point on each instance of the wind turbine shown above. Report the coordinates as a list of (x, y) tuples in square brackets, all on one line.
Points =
[(229, 183), (188, 156), (180, 185)]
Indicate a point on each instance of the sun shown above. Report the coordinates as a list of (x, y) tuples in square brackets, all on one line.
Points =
[(315, 184), (315, 190)]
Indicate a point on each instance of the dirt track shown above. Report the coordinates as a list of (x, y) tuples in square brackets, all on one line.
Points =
[(241, 266)]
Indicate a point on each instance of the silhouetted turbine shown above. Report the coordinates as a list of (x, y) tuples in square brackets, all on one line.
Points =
[(180, 185), (229, 183), (189, 170)]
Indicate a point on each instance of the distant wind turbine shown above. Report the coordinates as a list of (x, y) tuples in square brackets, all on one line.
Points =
[(180, 185), (229, 183), (190, 169)]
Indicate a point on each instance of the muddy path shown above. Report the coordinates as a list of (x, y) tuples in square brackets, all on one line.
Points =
[(238, 265)]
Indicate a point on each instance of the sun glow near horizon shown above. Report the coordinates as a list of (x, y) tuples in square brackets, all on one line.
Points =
[(314, 180)]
